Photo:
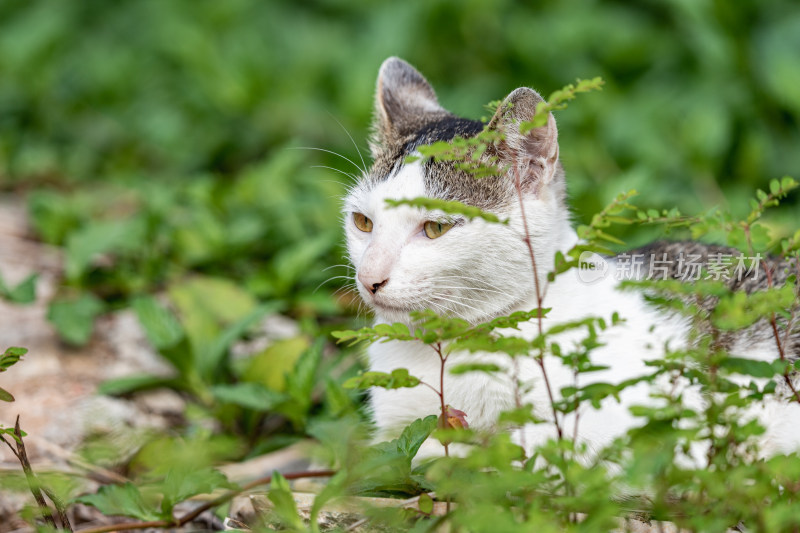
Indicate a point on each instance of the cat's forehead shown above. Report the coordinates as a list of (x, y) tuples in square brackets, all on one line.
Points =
[(406, 183), (441, 179)]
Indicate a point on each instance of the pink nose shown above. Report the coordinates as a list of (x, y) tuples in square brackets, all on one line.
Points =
[(372, 284)]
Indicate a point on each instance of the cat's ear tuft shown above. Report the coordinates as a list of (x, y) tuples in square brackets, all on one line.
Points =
[(535, 153), (403, 98)]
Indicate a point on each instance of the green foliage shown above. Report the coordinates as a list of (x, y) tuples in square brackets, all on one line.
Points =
[(467, 154), (449, 207), (280, 494), (179, 484), (387, 466), (397, 379), (121, 500), (558, 100), (248, 395), (11, 357), (8, 359), (74, 318), (23, 293)]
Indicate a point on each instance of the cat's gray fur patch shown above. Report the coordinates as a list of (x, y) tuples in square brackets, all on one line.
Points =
[(668, 255)]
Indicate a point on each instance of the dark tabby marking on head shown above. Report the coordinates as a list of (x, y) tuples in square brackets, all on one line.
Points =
[(442, 179), (408, 115), (665, 257)]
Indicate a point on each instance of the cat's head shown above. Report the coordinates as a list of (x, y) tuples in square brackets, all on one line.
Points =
[(408, 258)]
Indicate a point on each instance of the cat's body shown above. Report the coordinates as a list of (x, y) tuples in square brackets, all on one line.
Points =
[(478, 271)]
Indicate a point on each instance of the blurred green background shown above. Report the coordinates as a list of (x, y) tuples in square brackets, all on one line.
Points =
[(158, 135)]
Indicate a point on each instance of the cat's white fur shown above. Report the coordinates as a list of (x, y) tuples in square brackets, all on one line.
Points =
[(441, 274)]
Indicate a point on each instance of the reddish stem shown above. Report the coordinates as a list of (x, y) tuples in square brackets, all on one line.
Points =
[(540, 357), (773, 322), (440, 392)]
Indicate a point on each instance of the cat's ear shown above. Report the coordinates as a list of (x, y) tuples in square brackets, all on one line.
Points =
[(534, 153), (403, 99)]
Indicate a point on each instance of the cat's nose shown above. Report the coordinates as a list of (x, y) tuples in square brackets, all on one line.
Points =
[(371, 284)]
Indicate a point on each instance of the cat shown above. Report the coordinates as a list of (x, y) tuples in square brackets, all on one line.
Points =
[(407, 259)]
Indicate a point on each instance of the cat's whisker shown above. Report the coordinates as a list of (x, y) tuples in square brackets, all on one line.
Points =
[(330, 279), (349, 175), (493, 289), (470, 278), (341, 291), (467, 289), (345, 265), (442, 309), (460, 296), (328, 151), (358, 150), (439, 296)]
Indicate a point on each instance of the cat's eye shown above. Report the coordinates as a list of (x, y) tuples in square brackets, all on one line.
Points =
[(434, 229), (362, 222)]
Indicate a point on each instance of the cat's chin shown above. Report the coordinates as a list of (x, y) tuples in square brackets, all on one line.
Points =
[(391, 314)]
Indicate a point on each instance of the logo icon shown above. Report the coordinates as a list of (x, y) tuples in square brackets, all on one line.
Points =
[(591, 267)]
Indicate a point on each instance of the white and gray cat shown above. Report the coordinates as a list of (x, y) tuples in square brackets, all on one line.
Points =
[(408, 259)]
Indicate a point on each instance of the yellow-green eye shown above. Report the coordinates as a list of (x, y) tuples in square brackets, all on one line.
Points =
[(362, 222), (434, 229)]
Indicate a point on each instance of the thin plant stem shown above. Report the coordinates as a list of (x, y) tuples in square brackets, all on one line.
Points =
[(13, 450), (577, 408), (443, 419), (61, 509), (518, 405), (540, 358), (33, 482), (776, 335), (772, 321), (443, 359)]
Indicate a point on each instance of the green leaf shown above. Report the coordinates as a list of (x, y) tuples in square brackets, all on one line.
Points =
[(425, 503), (99, 237), (12, 432), (396, 331), (182, 483), (474, 367), (294, 262), (280, 494), (337, 400), (11, 356), (129, 384), (449, 207), (210, 359), (334, 488), (74, 319), (205, 306), (300, 382), (24, 293), (248, 395), (558, 100), (271, 366), (398, 379), (5, 395), (121, 500), (160, 325), (415, 434), (748, 367)]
